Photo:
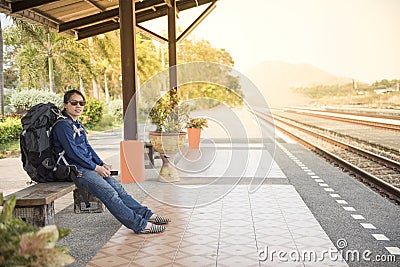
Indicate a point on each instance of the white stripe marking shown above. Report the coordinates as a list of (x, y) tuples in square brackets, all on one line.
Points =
[(368, 225), (357, 217), (380, 237), (393, 250)]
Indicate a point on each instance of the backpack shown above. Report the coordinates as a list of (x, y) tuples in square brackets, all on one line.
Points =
[(37, 150)]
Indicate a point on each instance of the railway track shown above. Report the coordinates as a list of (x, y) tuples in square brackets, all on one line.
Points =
[(381, 125), (340, 112), (381, 173), (378, 141)]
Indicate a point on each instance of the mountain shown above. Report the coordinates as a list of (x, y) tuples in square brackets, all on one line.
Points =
[(275, 79)]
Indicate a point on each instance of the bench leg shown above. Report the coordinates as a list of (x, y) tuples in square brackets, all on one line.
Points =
[(149, 150), (36, 215), (96, 205)]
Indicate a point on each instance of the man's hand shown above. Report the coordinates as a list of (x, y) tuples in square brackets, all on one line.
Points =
[(103, 171), (108, 167)]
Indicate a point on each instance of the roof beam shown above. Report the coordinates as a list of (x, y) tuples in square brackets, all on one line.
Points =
[(106, 15), (151, 34), (186, 4), (97, 29), (145, 10), (146, 15), (168, 2), (192, 26), (141, 16), (37, 18), (23, 5), (95, 5), (43, 14)]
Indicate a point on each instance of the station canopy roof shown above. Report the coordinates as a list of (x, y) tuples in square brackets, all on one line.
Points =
[(85, 18)]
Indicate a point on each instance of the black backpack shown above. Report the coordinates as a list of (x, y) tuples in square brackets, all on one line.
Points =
[(37, 150)]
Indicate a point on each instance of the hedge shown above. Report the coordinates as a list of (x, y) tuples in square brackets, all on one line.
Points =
[(10, 129), (22, 101)]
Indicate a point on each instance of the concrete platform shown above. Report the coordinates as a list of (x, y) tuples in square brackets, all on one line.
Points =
[(266, 201), (238, 229)]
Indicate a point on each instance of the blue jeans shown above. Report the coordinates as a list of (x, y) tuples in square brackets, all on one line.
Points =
[(122, 205)]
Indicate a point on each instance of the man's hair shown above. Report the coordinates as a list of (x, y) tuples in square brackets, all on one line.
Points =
[(69, 93)]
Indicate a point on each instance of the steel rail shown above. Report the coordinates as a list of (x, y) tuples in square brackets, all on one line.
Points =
[(386, 126), (360, 114), (388, 189)]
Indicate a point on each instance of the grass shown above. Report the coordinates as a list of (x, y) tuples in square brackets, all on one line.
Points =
[(10, 149), (371, 100), (103, 128)]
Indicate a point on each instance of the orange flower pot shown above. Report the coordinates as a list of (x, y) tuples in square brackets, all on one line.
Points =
[(194, 137)]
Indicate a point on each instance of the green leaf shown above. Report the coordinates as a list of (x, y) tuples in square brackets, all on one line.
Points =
[(8, 207)]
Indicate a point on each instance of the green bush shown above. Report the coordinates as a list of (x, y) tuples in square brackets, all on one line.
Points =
[(10, 129), (22, 101), (92, 113), (115, 108), (106, 121)]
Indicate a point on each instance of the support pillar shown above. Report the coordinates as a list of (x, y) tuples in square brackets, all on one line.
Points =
[(129, 69), (131, 150), (173, 74)]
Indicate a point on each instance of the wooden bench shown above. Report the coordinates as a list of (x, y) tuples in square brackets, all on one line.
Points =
[(35, 204)]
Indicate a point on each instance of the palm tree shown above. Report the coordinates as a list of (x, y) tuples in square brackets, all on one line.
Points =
[(43, 56), (1, 72)]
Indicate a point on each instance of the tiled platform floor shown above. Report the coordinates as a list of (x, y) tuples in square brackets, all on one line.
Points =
[(230, 231)]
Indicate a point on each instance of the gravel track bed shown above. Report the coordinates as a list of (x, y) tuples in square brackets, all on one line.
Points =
[(385, 173)]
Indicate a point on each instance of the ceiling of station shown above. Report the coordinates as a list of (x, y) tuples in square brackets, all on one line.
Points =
[(85, 18)]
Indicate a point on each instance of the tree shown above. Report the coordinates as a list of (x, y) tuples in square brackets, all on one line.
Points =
[(1, 72), (104, 55), (46, 60), (41, 57), (219, 73), (148, 60)]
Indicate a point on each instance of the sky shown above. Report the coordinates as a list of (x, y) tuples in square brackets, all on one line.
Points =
[(358, 39)]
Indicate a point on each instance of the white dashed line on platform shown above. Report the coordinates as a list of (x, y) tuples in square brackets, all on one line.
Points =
[(393, 250), (368, 225), (380, 237), (357, 217)]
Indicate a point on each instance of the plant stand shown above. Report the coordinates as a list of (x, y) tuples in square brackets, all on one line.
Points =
[(168, 145), (168, 172)]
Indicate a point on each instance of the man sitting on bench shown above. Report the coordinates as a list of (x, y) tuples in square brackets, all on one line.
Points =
[(96, 175)]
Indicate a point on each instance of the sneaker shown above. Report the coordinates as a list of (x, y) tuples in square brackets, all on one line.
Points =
[(154, 229), (159, 220)]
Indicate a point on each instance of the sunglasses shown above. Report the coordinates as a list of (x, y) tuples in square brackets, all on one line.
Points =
[(75, 102)]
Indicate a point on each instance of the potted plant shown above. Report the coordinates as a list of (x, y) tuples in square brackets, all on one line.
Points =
[(22, 244), (170, 116), (194, 127)]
